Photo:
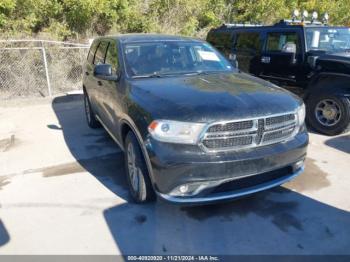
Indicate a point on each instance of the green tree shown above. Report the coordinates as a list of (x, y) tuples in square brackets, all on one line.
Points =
[(77, 19)]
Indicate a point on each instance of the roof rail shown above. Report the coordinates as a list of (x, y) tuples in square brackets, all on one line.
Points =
[(241, 25)]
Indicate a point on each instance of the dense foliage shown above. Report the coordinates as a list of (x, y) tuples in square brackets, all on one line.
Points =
[(75, 19)]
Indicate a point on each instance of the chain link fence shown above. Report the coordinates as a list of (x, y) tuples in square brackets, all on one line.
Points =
[(34, 68)]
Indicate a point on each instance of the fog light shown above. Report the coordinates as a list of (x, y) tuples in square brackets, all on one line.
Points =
[(189, 189), (299, 164), (295, 13), (325, 18), (305, 14), (194, 188)]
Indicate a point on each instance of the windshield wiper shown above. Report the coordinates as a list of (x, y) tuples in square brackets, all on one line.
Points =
[(196, 73), (154, 75)]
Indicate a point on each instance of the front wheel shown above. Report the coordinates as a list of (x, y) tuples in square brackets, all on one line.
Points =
[(137, 174), (328, 114)]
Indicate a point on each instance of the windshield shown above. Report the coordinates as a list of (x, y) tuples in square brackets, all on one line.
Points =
[(328, 39), (149, 59)]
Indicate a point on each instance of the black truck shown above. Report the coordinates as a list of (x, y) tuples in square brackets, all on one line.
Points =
[(308, 55)]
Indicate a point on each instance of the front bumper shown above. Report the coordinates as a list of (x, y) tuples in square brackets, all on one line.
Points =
[(231, 194), (174, 165)]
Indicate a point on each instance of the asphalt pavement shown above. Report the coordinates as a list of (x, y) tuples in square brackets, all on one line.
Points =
[(63, 191)]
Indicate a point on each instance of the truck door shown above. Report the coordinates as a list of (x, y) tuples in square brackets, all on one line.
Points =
[(282, 57), (247, 48)]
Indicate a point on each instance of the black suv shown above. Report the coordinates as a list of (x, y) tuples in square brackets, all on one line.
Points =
[(193, 128), (310, 55)]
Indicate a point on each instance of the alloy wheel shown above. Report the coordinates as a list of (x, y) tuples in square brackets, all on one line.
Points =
[(328, 112), (134, 171)]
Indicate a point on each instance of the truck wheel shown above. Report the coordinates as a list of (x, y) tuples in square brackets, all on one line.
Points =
[(328, 114), (137, 175), (90, 116)]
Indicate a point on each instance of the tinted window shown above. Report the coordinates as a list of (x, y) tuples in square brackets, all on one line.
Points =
[(171, 57), (101, 53), (92, 51), (222, 41), (276, 41), (248, 41), (112, 56)]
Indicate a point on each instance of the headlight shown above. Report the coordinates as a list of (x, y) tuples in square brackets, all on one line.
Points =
[(301, 114), (175, 131)]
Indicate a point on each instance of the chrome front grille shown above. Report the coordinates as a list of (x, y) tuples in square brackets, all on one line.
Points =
[(232, 126), (249, 133), (228, 142)]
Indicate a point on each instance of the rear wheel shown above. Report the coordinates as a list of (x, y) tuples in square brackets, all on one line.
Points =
[(328, 114), (90, 116), (137, 174)]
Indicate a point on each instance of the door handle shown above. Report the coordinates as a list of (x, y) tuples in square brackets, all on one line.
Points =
[(265, 59), (99, 83)]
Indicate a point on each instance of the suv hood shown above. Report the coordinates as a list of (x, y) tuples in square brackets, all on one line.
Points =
[(332, 61), (340, 57), (212, 97)]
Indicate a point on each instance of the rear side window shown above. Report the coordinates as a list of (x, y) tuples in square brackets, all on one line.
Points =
[(101, 53), (249, 41), (112, 56), (92, 52), (276, 41)]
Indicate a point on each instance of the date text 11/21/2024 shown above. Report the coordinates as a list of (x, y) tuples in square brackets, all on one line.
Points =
[(174, 258)]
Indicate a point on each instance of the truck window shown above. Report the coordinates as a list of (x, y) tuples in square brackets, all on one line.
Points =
[(101, 53), (112, 56), (223, 42), (276, 41), (249, 41), (328, 39)]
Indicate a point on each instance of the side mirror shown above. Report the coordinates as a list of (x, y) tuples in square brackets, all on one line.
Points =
[(233, 59), (104, 71), (289, 48), (312, 61)]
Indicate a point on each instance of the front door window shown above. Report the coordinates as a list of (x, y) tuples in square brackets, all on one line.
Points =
[(277, 41)]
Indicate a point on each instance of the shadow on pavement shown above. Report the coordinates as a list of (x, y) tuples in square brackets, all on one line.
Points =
[(93, 149), (4, 236), (341, 143), (279, 221)]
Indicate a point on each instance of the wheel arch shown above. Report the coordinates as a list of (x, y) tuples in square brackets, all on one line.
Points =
[(127, 125), (327, 82)]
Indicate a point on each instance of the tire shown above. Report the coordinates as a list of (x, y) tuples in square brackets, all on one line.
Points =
[(90, 116), (139, 184), (340, 109)]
